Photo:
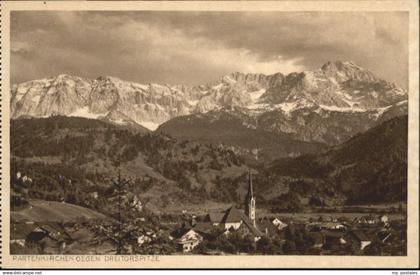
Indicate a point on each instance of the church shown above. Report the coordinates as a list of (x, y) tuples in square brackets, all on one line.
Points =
[(234, 219), (230, 220)]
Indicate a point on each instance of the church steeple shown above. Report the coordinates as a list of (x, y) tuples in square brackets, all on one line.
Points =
[(250, 200), (250, 187)]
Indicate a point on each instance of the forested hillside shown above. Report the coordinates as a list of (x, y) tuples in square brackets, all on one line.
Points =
[(72, 158), (369, 168), (69, 158)]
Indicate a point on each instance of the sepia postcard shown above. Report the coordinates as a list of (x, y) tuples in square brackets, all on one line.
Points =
[(209, 134)]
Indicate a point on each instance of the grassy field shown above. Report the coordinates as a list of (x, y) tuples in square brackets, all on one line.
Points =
[(203, 208), (40, 211)]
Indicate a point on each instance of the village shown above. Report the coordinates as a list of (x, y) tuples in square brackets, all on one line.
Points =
[(231, 231)]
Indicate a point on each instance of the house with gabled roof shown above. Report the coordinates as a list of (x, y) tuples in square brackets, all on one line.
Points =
[(187, 239), (55, 230), (232, 218), (247, 228), (368, 220), (278, 223), (204, 228), (19, 232), (215, 218), (266, 226), (384, 219)]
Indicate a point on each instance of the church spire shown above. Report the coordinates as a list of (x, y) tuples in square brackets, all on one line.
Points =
[(250, 200), (250, 187)]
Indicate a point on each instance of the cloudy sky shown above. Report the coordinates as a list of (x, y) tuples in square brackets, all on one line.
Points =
[(199, 47)]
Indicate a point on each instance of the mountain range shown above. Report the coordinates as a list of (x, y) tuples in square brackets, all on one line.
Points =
[(261, 116)]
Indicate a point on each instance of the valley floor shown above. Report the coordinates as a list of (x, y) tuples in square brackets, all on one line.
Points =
[(48, 227)]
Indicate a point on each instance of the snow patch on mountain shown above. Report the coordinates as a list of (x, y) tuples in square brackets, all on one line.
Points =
[(228, 79), (380, 111), (402, 102), (290, 107), (342, 109), (193, 102), (85, 112), (120, 121), (287, 107), (149, 125), (255, 95)]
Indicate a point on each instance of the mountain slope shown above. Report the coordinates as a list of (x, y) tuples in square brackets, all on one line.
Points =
[(277, 134), (370, 167), (72, 157), (328, 126), (238, 131), (42, 211)]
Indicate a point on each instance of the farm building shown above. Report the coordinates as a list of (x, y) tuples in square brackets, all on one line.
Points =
[(368, 220), (214, 218), (187, 239), (267, 227), (278, 223), (384, 219)]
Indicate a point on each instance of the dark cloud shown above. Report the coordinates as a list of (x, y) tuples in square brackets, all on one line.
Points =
[(196, 47)]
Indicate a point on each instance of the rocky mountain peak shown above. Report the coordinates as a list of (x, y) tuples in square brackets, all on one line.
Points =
[(105, 78), (66, 79), (342, 71)]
